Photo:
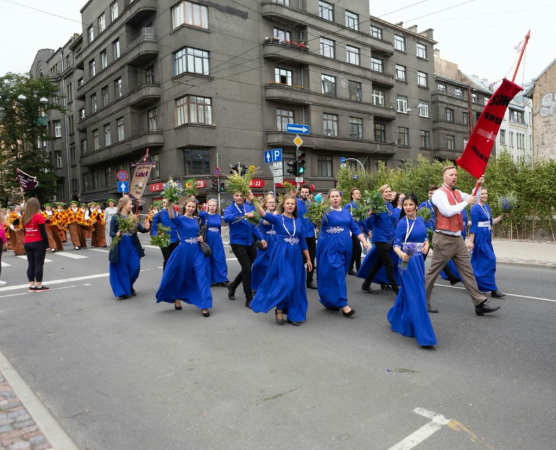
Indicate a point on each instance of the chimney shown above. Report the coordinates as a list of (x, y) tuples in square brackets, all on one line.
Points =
[(399, 24), (437, 53), (428, 33), (412, 29)]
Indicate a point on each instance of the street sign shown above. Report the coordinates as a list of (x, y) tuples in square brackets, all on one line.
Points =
[(342, 160), (295, 128), (278, 172), (123, 186), (278, 180), (298, 179), (268, 156), (122, 175), (343, 166), (298, 141), (277, 155), (277, 165), (217, 172)]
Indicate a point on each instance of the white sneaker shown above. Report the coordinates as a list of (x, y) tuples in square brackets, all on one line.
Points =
[(2, 283)]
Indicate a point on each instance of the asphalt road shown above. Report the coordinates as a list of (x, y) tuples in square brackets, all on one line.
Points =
[(136, 375)]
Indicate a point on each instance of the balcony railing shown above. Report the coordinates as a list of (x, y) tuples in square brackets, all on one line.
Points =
[(148, 34), (292, 44)]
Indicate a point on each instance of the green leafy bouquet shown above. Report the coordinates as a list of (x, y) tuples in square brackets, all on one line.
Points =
[(361, 213), (375, 202), (255, 220), (172, 191), (126, 225), (162, 238), (317, 211), (508, 202), (430, 235), (425, 213), (190, 189)]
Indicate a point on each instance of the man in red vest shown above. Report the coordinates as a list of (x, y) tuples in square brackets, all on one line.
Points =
[(448, 205)]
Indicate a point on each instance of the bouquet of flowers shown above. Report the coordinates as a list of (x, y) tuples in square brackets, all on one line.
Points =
[(162, 238), (190, 189), (289, 187), (411, 249), (240, 183), (508, 202), (361, 213), (425, 213), (430, 235), (375, 202), (126, 225), (317, 211), (172, 191)]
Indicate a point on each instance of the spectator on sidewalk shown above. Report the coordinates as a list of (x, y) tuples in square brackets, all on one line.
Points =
[(35, 244), (3, 239)]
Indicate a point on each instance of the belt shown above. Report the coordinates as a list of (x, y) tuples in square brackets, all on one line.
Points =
[(448, 235), (191, 240), (484, 225)]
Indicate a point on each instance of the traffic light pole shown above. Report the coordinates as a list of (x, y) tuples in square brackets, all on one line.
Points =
[(218, 186)]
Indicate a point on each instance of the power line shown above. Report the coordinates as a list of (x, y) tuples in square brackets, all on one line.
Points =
[(442, 10), (401, 9)]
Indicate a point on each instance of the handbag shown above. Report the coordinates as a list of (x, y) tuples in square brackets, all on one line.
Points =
[(207, 251), (113, 254)]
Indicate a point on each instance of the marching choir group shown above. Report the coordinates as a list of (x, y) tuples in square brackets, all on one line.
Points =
[(274, 254)]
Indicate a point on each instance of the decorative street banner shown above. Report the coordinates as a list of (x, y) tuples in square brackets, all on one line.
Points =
[(25, 181), (139, 179), (477, 152)]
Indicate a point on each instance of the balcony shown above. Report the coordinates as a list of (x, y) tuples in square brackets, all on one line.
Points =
[(453, 127), (135, 144), (145, 95), (281, 93), (334, 143), (195, 135), (297, 55), (143, 48)]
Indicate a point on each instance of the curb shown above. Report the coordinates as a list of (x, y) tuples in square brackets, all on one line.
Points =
[(531, 264)]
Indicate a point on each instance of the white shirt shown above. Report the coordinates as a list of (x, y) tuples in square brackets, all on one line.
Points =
[(440, 200)]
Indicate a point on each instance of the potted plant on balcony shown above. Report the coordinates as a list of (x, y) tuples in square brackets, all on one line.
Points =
[(275, 40)]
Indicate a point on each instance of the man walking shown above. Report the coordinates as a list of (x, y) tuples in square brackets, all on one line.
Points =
[(448, 204), (308, 230)]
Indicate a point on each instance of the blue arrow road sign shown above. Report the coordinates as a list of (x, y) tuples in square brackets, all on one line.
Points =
[(342, 160), (123, 186), (277, 155), (268, 156), (295, 128)]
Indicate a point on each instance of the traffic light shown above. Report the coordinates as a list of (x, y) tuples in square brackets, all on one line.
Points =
[(215, 185), (234, 168), (239, 168), (222, 187), (292, 168), (300, 164)]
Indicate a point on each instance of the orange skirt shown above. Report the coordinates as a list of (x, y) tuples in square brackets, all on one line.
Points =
[(63, 234), (98, 239), (16, 239), (54, 240), (76, 235)]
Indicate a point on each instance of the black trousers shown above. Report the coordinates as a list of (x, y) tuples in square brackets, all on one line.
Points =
[(246, 256), (36, 253), (166, 252), (312, 245), (382, 259), (356, 253)]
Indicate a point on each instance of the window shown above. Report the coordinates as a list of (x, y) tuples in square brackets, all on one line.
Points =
[(96, 140), (352, 55), (402, 103), (421, 51), (69, 89), (149, 75), (94, 106), (58, 128), (465, 118), (191, 14), (401, 73), (403, 136), (191, 60), (118, 87), (72, 155), (352, 20), (282, 35), (80, 82), (114, 11), (92, 68), (105, 97), (116, 48), (423, 108), (485, 100), (441, 87), (191, 109), (325, 166), (451, 142), (108, 180), (82, 114), (197, 162), (517, 117), (449, 115), (354, 89), (283, 76), (425, 139), (380, 132), (107, 136), (326, 11), (85, 182), (355, 128), (422, 79), (103, 60), (58, 157), (330, 124), (91, 34), (511, 138), (378, 97), (83, 147), (155, 173), (458, 93), (283, 118), (327, 47), (474, 98), (376, 32), (152, 119), (377, 64), (399, 43), (95, 180), (101, 23), (121, 129), (71, 124), (328, 85)]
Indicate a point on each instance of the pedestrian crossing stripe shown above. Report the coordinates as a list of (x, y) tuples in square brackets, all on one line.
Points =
[(25, 258), (5, 264), (71, 255), (102, 250)]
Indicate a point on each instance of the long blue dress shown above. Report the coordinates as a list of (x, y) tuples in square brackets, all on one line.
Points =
[(334, 257), (217, 261), (284, 284), (451, 264), (260, 266), (483, 259), (187, 276), (409, 315)]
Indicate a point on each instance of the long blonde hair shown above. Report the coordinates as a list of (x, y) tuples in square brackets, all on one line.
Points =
[(31, 208), (122, 202)]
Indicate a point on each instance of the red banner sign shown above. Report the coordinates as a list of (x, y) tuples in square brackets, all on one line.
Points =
[(256, 183), (156, 187), (477, 151), (281, 185), (199, 184)]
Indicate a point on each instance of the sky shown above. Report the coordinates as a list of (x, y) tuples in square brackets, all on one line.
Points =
[(478, 35)]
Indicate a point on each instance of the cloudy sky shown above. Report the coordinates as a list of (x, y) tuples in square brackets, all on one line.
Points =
[(479, 35)]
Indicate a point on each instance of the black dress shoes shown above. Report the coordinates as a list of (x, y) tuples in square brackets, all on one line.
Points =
[(332, 309), (133, 293), (431, 310), (248, 302), (385, 287), (454, 281), (311, 285), (279, 321), (124, 297), (367, 288), (231, 293), (295, 324), (350, 313), (351, 272), (497, 294), (485, 308)]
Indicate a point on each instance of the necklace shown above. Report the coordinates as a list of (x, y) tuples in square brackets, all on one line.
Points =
[(409, 230), (284, 225), (239, 209)]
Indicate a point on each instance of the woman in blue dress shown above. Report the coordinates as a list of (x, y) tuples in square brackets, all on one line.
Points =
[(283, 287), (409, 315), (186, 276), (334, 255), (260, 266), (217, 261), (125, 259), (483, 258)]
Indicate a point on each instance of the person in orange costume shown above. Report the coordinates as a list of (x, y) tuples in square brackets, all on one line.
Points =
[(75, 218), (60, 216), (54, 240), (97, 225), (15, 224)]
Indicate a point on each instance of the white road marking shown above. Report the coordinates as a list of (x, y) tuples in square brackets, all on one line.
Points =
[(231, 259), (71, 255), (5, 264), (150, 246), (426, 431), (63, 280), (102, 250), (507, 295), (46, 260)]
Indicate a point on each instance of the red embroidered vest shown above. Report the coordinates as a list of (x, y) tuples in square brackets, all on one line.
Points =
[(454, 223)]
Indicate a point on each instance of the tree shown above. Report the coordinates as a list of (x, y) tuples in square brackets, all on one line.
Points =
[(23, 135)]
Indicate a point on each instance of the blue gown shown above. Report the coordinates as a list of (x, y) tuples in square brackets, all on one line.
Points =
[(451, 264), (260, 266), (334, 257), (483, 259), (283, 286), (409, 315), (187, 276), (217, 262)]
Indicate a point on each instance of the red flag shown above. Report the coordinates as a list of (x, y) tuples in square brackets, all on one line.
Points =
[(25, 181), (477, 152)]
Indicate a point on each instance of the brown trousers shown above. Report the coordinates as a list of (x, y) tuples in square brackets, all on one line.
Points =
[(16, 239), (452, 247), (98, 238), (76, 235), (54, 239)]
